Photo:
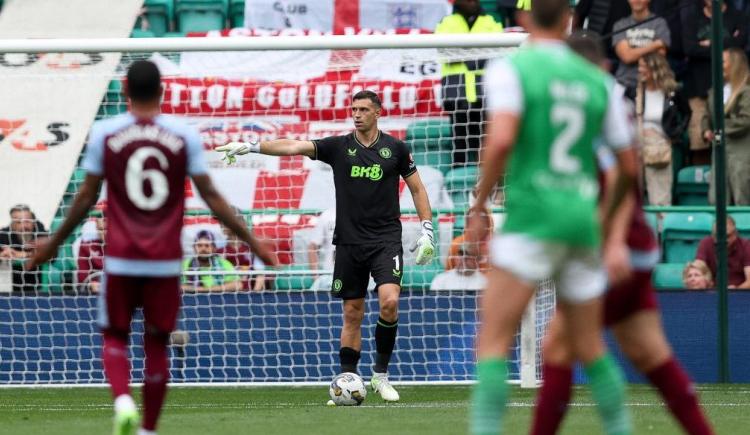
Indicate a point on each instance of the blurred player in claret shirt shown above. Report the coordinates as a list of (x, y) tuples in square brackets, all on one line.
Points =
[(144, 156), (630, 308)]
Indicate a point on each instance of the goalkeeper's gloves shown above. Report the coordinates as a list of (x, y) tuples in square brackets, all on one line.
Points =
[(425, 245), (233, 149)]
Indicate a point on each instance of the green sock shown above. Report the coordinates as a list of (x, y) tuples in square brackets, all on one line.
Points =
[(608, 390), (489, 396)]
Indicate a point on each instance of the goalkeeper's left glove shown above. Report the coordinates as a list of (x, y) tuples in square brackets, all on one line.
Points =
[(233, 149), (425, 245)]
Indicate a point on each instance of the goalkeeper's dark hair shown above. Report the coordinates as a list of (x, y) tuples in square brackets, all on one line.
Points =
[(547, 13), (368, 95), (587, 44), (143, 81)]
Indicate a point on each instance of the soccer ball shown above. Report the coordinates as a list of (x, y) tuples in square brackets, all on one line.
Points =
[(347, 389)]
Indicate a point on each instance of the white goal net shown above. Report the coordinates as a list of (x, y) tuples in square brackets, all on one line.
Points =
[(261, 326)]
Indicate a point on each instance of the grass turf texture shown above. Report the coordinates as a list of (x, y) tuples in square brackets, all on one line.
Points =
[(276, 410)]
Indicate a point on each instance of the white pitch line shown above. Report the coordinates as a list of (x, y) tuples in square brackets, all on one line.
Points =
[(288, 405)]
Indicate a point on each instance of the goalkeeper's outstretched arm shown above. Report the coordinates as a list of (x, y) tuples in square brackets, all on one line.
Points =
[(276, 147)]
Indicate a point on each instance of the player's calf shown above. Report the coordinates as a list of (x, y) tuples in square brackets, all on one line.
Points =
[(116, 362), (554, 395), (606, 380), (641, 337), (156, 375)]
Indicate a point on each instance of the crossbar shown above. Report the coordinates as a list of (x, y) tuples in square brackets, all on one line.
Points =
[(255, 43)]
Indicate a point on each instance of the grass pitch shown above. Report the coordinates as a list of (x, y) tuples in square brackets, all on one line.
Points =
[(276, 410)]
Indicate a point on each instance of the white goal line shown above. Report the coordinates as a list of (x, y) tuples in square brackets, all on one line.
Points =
[(237, 384), (314, 42)]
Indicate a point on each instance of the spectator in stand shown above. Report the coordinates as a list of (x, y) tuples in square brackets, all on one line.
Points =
[(239, 254), (91, 260), (738, 253), (670, 11), (465, 276), (507, 8), (601, 16), (696, 35), (461, 83), (736, 126), (662, 114), (645, 34), (697, 276), (207, 260), (17, 243)]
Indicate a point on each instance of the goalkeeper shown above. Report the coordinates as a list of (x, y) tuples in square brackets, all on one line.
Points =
[(367, 164)]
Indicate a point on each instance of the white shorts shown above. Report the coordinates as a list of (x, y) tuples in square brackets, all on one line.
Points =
[(577, 272)]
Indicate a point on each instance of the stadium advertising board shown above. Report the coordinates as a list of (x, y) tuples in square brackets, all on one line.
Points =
[(50, 100)]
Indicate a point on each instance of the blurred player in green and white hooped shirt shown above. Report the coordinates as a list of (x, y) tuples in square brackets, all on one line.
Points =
[(548, 105)]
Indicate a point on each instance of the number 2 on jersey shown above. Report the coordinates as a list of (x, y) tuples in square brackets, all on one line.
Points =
[(136, 176), (572, 120)]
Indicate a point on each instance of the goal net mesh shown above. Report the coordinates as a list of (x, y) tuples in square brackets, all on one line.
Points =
[(281, 325)]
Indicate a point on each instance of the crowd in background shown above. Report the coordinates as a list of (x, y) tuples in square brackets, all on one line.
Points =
[(660, 55)]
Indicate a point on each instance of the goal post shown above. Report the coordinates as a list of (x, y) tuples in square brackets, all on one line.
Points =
[(248, 88)]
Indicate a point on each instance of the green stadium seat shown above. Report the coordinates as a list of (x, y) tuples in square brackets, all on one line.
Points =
[(431, 152), (159, 14), (140, 33), (237, 13), (114, 102), (490, 6), (681, 234), (429, 129), (692, 185), (420, 277), (201, 15), (653, 221), (668, 276), (430, 142), (53, 279), (294, 282), (173, 35), (459, 182), (743, 223)]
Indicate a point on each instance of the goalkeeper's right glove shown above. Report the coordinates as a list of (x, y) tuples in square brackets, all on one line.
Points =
[(233, 149)]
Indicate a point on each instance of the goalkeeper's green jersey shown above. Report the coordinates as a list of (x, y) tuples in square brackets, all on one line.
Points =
[(551, 184)]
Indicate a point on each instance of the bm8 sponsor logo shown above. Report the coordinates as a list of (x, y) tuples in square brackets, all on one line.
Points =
[(374, 172)]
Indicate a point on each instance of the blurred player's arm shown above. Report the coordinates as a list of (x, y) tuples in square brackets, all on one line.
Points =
[(616, 252), (82, 203), (501, 136), (276, 147), (619, 136), (226, 215), (505, 102)]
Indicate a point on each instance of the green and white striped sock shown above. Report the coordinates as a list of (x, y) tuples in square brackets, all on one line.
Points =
[(489, 397), (608, 390)]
